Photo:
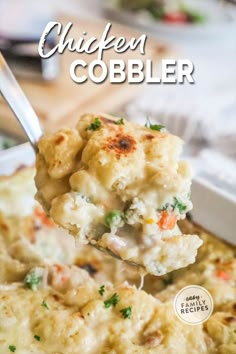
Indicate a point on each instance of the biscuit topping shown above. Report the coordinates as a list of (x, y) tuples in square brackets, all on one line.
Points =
[(121, 144)]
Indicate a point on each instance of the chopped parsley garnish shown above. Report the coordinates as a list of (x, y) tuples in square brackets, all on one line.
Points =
[(177, 204), (157, 127), (114, 218), (101, 290), (45, 305), (37, 337), (113, 301), (12, 348), (126, 312), (95, 125), (166, 206), (32, 281), (120, 122)]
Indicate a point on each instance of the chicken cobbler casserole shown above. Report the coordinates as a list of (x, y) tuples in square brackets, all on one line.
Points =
[(120, 187), (56, 298)]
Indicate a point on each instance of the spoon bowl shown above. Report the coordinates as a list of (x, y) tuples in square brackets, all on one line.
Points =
[(26, 116)]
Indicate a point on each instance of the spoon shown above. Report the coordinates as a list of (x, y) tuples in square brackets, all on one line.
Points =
[(19, 104), (26, 116)]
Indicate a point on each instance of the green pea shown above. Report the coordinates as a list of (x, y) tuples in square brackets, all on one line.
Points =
[(114, 218)]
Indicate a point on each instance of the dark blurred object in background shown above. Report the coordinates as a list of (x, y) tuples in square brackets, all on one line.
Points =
[(23, 58), (19, 37)]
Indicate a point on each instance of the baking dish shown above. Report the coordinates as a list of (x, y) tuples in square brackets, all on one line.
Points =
[(81, 316), (214, 206)]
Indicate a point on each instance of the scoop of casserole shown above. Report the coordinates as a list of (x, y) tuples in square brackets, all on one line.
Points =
[(120, 187)]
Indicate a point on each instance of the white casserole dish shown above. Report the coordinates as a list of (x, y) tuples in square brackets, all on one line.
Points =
[(214, 208)]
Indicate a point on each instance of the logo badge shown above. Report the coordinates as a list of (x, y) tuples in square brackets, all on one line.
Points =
[(193, 304)]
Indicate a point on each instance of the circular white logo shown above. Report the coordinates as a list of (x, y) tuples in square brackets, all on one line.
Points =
[(193, 304)]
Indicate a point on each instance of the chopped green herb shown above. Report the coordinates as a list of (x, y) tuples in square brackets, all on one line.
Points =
[(7, 143), (95, 125), (45, 305), (114, 218), (157, 127), (176, 205), (113, 301), (182, 208), (126, 312), (12, 348), (120, 122), (166, 206), (37, 337), (101, 290), (32, 281)]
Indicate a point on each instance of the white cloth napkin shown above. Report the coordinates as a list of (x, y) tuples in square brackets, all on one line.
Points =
[(197, 113)]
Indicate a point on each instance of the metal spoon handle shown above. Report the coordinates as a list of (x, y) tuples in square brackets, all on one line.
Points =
[(19, 104)]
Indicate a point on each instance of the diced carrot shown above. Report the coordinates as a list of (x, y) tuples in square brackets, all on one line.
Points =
[(39, 213), (48, 222), (61, 270), (167, 220), (58, 267), (222, 274)]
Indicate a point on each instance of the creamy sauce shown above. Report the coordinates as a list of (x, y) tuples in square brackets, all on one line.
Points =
[(65, 313), (125, 190)]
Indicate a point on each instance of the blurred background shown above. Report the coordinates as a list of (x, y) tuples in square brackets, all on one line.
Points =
[(203, 114)]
